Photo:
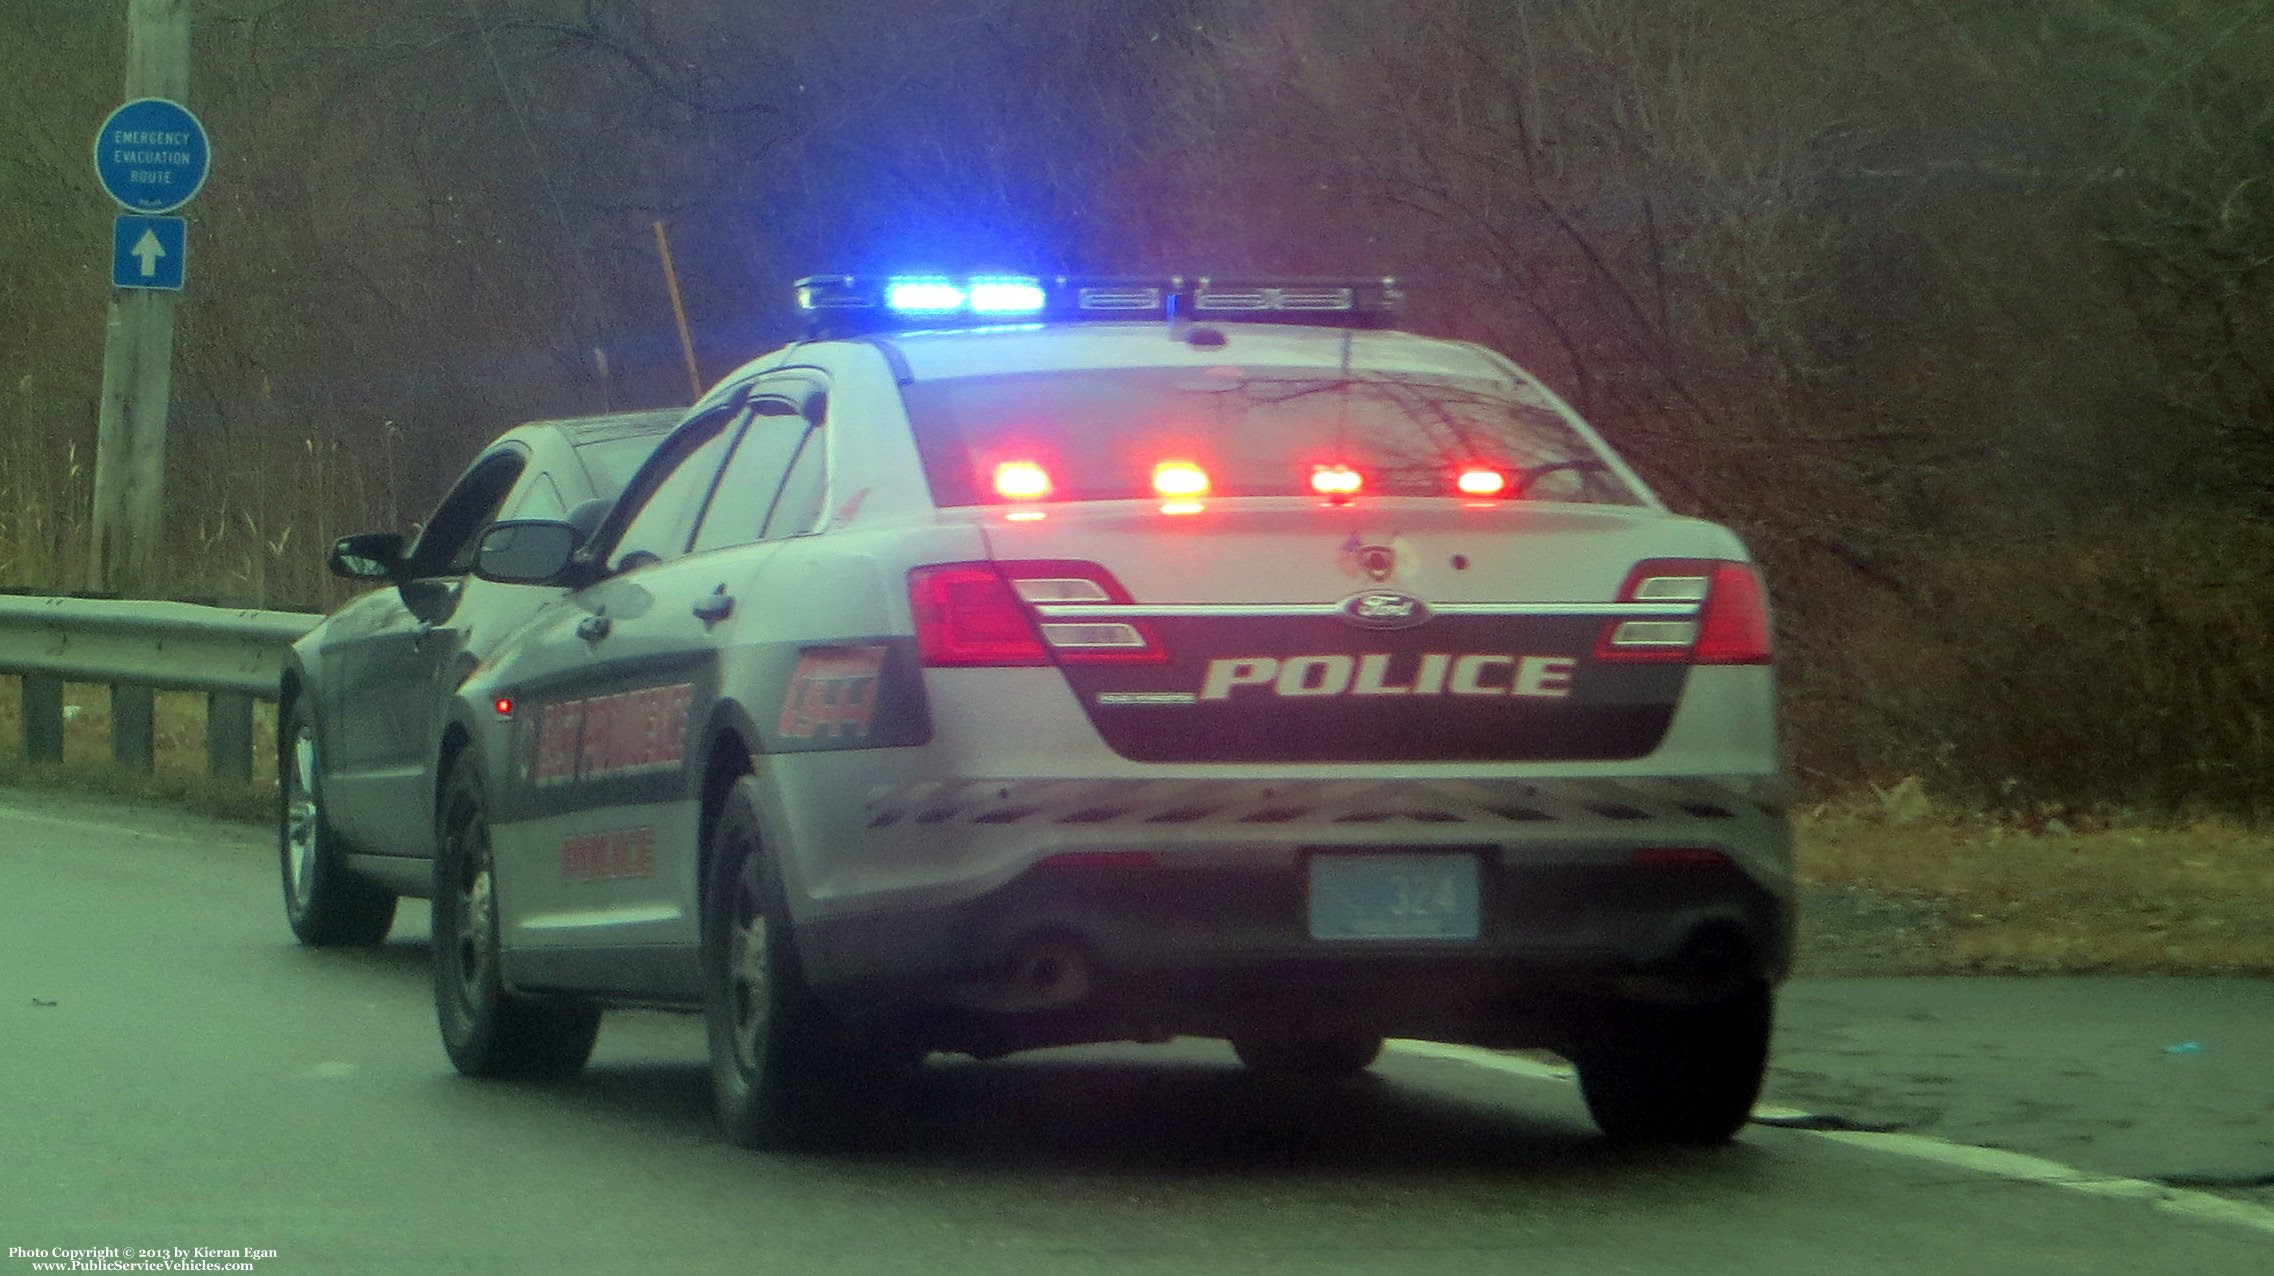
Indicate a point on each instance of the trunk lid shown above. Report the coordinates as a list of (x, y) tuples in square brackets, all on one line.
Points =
[(1286, 629)]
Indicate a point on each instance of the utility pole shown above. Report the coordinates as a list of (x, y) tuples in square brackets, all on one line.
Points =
[(138, 346)]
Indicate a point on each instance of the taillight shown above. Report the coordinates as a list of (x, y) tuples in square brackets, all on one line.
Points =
[(1735, 627), (1025, 612), (1729, 626), (966, 614)]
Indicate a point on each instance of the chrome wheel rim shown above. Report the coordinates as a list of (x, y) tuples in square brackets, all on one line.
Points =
[(300, 814), (476, 912), (748, 980)]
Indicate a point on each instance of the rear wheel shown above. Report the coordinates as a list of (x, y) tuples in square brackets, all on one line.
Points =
[(784, 1068), (323, 904), (488, 1031), (1679, 1074), (1315, 1055)]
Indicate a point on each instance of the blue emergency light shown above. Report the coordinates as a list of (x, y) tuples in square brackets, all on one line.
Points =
[(839, 305)]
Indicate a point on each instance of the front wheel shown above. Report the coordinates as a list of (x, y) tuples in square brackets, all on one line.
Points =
[(323, 904), (1685, 1074), (488, 1031)]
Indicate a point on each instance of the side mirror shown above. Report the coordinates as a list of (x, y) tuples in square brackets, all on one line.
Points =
[(369, 556), (525, 551)]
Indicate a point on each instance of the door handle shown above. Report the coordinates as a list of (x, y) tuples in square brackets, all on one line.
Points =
[(593, 628), (714, 607)]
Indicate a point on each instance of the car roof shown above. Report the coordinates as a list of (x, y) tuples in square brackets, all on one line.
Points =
[(1073, 346), (583, 430), (1052, 347)]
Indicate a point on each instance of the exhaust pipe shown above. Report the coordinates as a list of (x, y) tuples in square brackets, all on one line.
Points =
[(1714, 962), (1047, 973)]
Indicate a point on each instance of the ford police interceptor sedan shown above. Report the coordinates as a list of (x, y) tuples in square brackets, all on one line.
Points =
[(1023, 662), (363, 693)]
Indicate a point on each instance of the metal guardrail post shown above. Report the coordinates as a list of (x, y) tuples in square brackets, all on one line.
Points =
[(43, 718), (229, 735), (134, 720)]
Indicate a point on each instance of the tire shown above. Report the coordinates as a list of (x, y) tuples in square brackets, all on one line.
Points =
[(1685, 1075), (1326, 1055), (488, 1031), (783, 1074), (324, 904)]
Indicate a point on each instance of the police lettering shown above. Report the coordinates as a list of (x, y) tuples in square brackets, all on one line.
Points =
[(1372, 674), (605, 736), (603, 857)]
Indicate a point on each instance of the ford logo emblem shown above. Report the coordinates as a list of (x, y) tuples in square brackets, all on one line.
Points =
[(1384, 609)]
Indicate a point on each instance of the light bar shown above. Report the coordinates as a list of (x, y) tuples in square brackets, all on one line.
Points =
[(841, 305), (1007, 296), (924, 297)]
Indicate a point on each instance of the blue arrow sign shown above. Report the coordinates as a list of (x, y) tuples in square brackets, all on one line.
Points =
[(152, 156), (148, 252)]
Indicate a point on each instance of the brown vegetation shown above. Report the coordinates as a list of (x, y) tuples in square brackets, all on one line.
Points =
[(1960, 311), (1893, 884)]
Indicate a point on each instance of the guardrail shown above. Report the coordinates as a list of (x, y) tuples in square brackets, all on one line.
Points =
[(138, 649)]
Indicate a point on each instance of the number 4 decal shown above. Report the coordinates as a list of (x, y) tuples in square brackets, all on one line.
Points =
[(831, 693)]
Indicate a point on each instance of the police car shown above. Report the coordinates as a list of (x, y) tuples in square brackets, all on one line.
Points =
[(1022, 662), (362, 697)]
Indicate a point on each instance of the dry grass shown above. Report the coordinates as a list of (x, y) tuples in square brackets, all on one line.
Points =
[(2041, 895), (178, 732)]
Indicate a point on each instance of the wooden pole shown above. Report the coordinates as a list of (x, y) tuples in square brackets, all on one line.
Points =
[(138, 349), (679, 312)]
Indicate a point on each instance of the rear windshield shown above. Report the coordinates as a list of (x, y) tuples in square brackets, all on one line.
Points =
[(1099, 433)]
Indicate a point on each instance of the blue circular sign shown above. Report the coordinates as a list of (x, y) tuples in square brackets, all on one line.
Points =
[(151, 155)]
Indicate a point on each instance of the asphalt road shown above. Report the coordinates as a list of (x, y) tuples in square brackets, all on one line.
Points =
[(176, 1073)]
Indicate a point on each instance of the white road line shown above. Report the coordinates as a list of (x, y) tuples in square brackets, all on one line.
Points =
[(97, 826), (1536, 1069), (2015, 1166)]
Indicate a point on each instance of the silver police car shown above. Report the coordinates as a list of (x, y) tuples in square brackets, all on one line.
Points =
[(1023, 662), (362, 698)]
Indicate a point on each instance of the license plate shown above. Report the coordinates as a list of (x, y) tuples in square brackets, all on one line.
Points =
[(1387, 897)]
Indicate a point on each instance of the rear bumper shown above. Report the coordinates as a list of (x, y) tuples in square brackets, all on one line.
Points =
[(1213, 939)]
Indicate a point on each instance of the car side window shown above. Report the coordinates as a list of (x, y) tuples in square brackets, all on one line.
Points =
[(798, 508), (446, 546), (671, 500), (540, 498), (752, 482)]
